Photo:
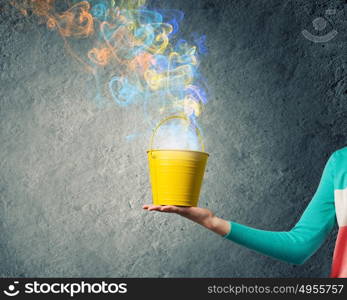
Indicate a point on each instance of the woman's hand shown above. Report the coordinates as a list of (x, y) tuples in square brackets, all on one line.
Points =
[(202, 216)]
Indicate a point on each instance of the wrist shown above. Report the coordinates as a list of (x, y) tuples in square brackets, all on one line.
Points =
[(218, 225)]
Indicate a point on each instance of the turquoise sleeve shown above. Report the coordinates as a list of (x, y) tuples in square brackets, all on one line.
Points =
[(304, 239)]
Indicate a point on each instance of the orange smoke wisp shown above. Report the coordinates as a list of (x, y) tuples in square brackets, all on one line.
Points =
[(119, 42), (76, 21), (141, 62), (100, 56)]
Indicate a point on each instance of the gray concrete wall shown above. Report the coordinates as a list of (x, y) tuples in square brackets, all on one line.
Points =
[(72, 187)]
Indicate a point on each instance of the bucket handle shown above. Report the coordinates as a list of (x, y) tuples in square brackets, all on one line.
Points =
[(183, 117)]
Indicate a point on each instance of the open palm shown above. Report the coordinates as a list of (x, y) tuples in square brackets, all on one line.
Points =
[(202, 216), (196, 213)]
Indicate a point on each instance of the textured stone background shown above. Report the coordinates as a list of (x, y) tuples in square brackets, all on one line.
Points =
[(71, 187)]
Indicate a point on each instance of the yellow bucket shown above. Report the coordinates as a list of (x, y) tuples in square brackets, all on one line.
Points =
[(176, 175)]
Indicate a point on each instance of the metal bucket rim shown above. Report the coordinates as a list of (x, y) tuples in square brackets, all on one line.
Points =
[(178, 150)]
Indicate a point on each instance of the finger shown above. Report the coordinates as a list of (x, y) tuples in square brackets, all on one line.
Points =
[(167, 208), (154, 207), (150, 206), (161, 208), (171, 209)]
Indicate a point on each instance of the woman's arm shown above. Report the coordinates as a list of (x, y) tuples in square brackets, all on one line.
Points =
[(304, 239), (294, 246)]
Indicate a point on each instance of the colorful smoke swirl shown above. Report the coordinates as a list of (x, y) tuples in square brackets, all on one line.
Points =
[(135, 55)]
